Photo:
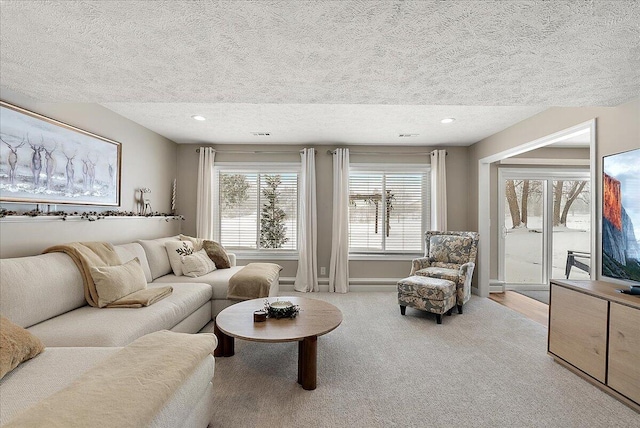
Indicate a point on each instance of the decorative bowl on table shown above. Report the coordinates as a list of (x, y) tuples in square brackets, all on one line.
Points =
[(281, 309)]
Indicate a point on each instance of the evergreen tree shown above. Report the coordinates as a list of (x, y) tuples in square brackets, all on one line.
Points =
[(234, 189), (272, 216)]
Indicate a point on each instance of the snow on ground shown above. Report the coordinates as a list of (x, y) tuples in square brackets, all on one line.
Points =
[(523, 250)]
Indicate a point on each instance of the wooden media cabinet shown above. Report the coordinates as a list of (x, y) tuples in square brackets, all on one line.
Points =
[(595, 332)]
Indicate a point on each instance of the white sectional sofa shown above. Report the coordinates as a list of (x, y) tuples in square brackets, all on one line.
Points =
[(45, 295), (160, 273), (57, 367)]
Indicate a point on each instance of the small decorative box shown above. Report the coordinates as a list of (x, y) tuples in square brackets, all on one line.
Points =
[(259, 316)]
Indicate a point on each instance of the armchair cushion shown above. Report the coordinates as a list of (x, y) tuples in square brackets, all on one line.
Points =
[(449, 249), (441, 273)]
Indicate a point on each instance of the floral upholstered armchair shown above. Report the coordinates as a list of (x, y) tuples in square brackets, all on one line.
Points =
[(452, 256)]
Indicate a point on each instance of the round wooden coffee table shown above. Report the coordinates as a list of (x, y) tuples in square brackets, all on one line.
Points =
[(315, 318)]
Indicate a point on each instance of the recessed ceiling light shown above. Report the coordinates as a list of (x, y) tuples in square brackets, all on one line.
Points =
[(198, 117), (447, 120)]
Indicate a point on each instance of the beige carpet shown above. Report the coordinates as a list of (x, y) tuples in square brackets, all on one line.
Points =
[(485, 368)]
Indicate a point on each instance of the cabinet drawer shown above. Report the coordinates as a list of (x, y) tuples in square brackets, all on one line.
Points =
[(624, 351), (578, 330)]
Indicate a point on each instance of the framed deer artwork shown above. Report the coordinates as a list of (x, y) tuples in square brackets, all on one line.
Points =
[(43, 160)]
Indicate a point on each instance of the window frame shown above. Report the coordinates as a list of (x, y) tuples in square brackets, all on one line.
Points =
[(424, 169), (256, 168)]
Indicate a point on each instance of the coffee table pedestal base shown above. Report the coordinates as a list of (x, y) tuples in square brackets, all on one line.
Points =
[(226, 344), (307, 357), (308, 362)]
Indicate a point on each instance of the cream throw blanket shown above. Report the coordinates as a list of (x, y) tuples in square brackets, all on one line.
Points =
[(128, 389), (97, 254), (253, 281)]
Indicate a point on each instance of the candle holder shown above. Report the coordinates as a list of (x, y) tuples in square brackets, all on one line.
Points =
[(259, 316), (281, 309)]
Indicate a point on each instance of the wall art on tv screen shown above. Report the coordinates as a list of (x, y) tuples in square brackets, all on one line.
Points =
[(621, 216), (46, 161)]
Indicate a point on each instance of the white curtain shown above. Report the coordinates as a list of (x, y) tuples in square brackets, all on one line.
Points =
[(204, 207), (339, 266), (438, 190), (307, 275)]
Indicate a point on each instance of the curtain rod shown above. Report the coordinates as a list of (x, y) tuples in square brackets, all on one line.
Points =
[(254, 152), (330, 152)]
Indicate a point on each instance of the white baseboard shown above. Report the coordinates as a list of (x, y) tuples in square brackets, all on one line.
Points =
[(526, 287), (355, 284), (496, 286)]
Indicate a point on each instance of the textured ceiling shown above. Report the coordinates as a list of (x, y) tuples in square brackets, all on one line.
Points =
[(323, 123), (370, 58)]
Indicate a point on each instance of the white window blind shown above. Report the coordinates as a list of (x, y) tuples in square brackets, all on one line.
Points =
[(258, 210), (388, 209)]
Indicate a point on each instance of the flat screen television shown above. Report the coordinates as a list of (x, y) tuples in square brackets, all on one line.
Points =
[(621, 217)]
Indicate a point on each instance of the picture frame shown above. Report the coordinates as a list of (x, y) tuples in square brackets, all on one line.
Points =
[(43, 160)]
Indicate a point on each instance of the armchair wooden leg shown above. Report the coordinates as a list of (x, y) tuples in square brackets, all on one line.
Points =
[(439, 318), (450, 311), (403, 309), (459, 309)]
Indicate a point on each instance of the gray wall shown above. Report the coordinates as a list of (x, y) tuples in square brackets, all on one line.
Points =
[(148, 160), (617, 130), (457, 182)]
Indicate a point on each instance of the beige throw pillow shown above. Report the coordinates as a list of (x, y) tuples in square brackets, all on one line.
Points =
[(115, 282), (16, 346), (217, 253), (196, 242), (197, 264), (176, 250)]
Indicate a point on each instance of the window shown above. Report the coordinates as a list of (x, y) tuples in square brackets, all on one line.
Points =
[(258, 207), (388, 208)]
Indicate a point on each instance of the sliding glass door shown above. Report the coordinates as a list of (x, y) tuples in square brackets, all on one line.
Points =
[(571, 229), (544, 220), (524, 242)]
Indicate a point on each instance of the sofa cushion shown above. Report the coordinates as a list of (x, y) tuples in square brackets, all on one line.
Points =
[(88, 326), (16, 346), (218, 280), (157, 255), (196, 242), (197, 264), (56, 368), (217, 253), (127, 252), (36, 288), (40, 377), (175, 251), (115, 282)]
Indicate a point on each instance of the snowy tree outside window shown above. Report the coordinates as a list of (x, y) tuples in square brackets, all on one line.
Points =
[(388, 208), (258, 209)]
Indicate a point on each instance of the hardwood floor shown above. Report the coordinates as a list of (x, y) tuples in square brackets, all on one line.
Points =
[(530, 308)]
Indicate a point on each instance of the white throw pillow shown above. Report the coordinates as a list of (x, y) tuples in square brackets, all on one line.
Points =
[(197, 264), (176, 250), (197, 242), (115, 282)]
